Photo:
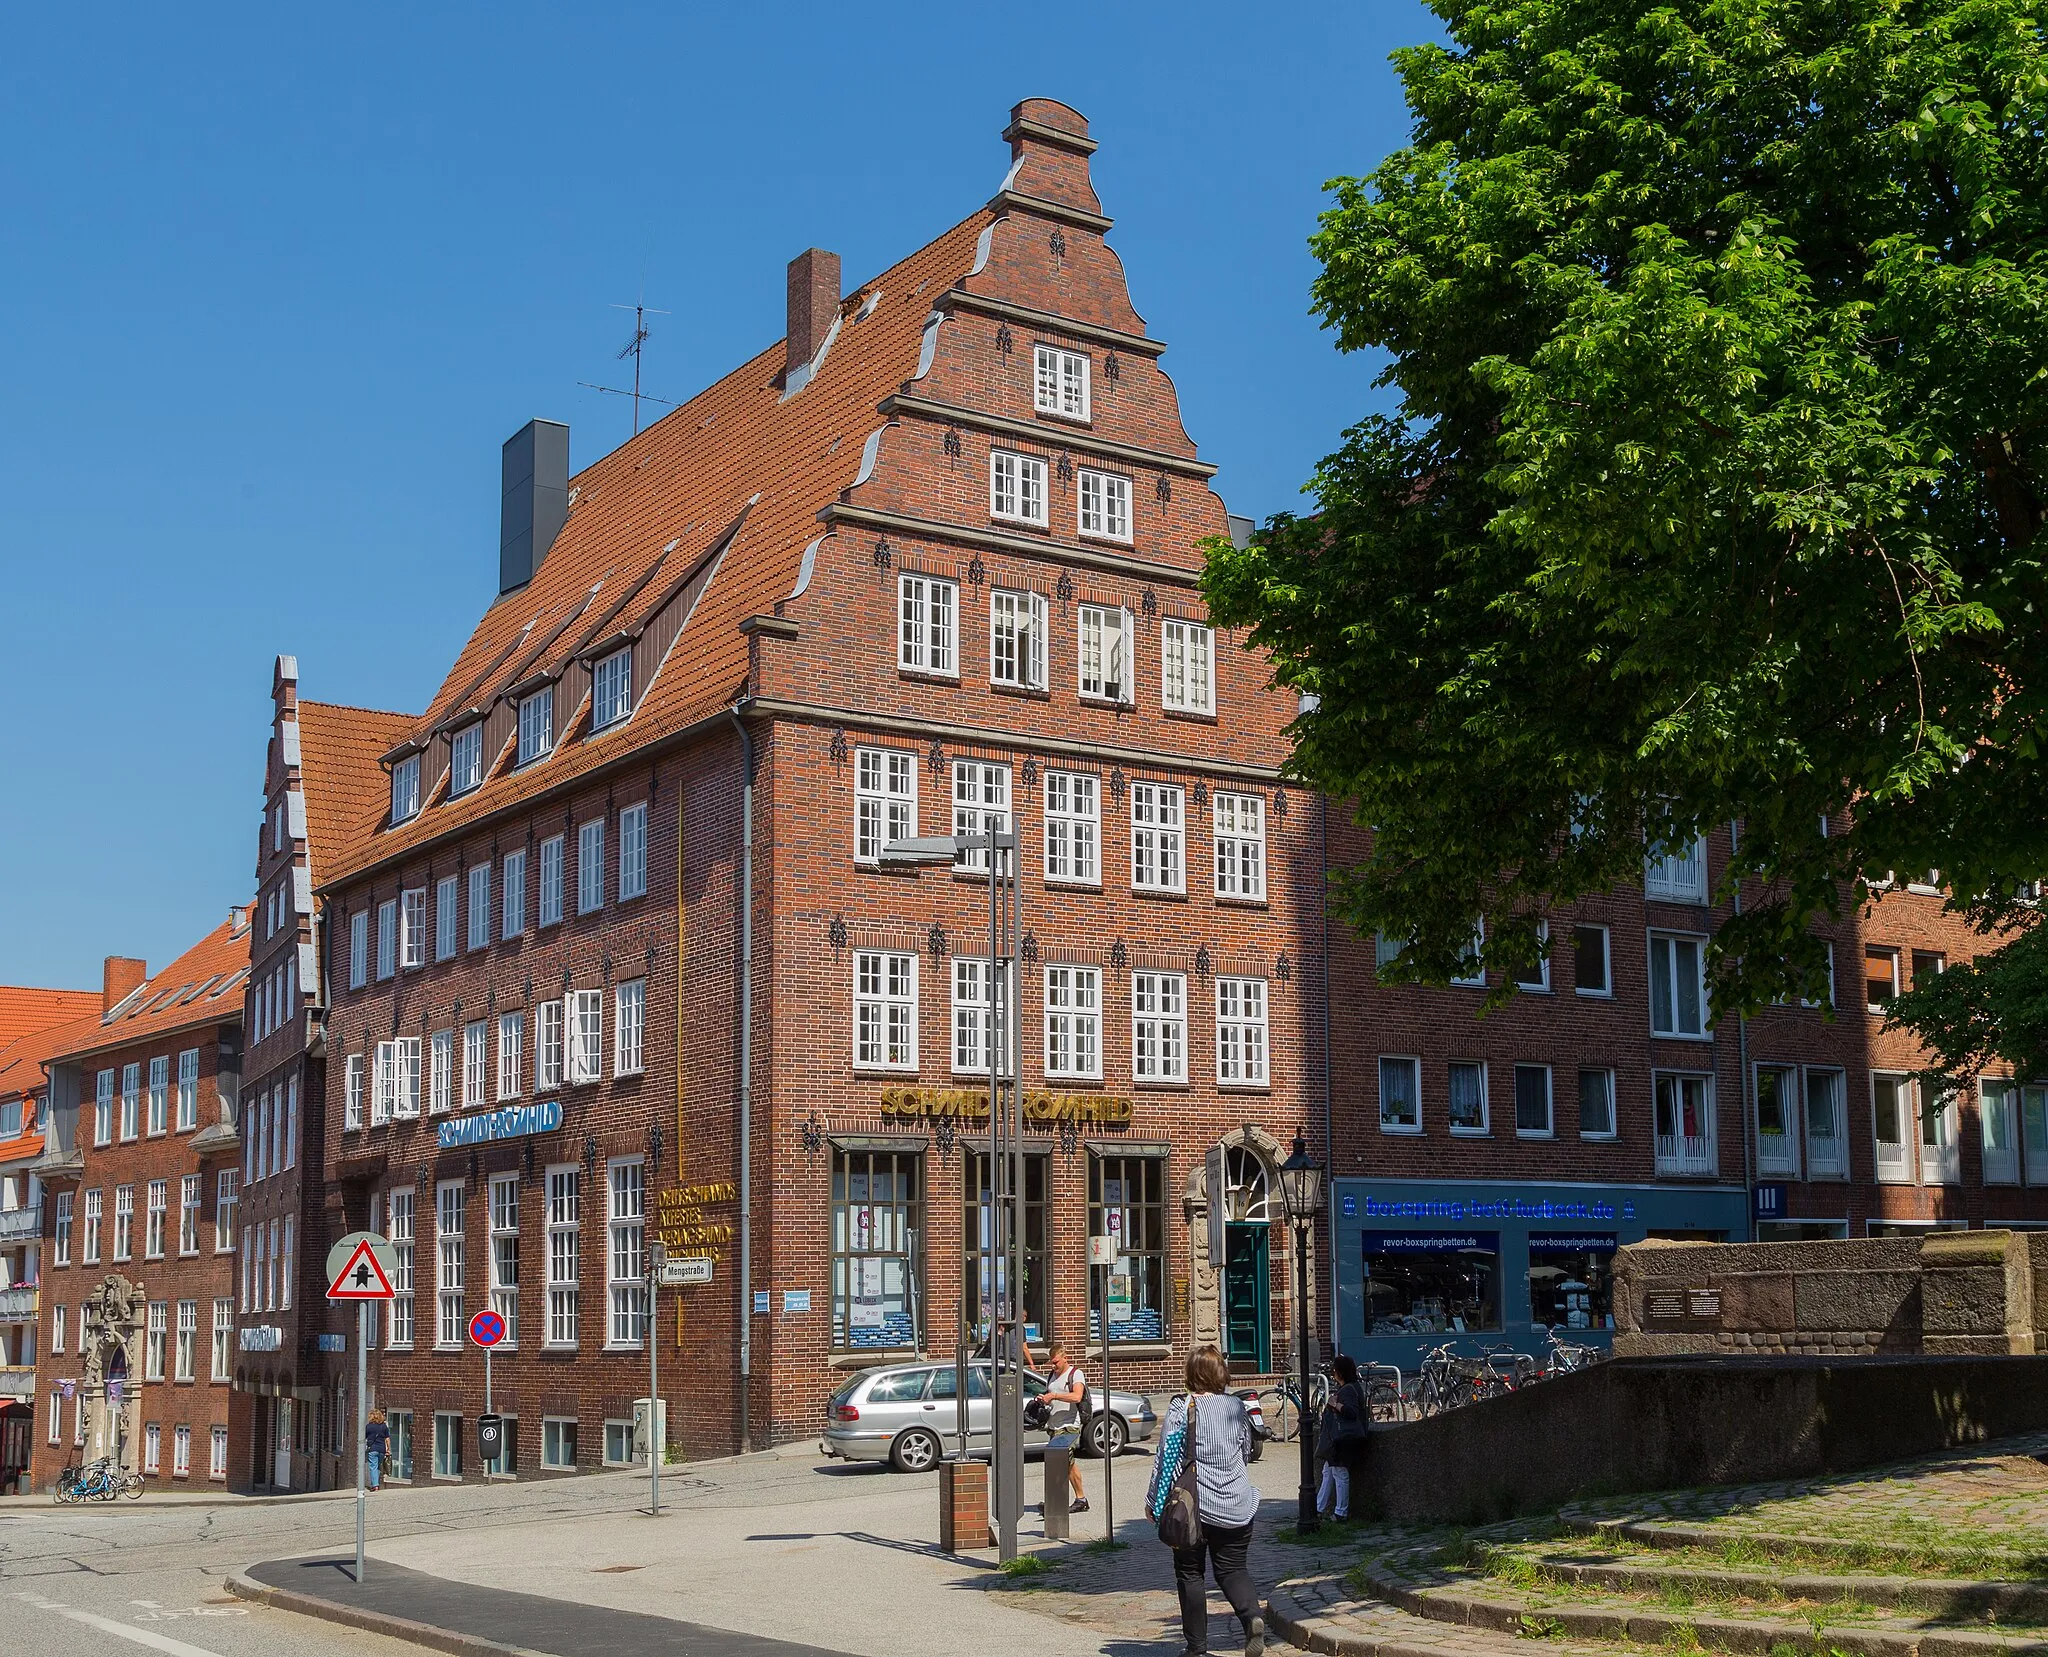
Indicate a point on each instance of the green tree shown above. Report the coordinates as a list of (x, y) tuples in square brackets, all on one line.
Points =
[(1720, 336)]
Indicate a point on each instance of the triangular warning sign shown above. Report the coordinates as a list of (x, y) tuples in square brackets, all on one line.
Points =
[(362, 1278)]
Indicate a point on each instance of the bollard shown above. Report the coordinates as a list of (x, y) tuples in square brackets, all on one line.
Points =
[(1057, 1456), (963, 1505)]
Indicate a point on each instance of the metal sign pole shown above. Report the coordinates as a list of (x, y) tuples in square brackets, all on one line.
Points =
[(654, 1445), (362, 1426), (1108, 1415)]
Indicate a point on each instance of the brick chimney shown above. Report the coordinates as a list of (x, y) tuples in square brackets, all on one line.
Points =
[(118, 976), (813, 303)]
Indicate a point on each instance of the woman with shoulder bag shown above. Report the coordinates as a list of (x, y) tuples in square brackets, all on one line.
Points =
[(1204, 1502), (1341, 1440)]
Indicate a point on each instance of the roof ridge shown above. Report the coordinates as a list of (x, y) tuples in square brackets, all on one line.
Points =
[(306, 702)]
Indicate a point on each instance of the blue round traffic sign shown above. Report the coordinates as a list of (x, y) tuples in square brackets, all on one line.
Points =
[(487, 1329)]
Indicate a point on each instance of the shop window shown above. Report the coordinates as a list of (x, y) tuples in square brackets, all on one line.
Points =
[(1596, 1104), (1127, 1200), (558, 1443), (1571, 1280), (1400, 1095), (447, 1445), (1891, 1110), (1432, 1282), (400, 1423), (1777, 1141), (1036, 1293), (877, 1217)]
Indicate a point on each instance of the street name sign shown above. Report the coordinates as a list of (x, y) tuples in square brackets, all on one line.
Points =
[(682, 1271)]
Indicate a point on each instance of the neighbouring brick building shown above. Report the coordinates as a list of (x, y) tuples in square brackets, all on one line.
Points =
[(140, 1190), (33, 1024)]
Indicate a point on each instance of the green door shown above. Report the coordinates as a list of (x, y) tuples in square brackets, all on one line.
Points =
[(1247, 1324)]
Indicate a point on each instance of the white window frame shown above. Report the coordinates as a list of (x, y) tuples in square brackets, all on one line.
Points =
[(1159, 1028), (550, 1046), (1102, 506), (512, 896), (412, 928), (1243, 1032), (1016, 638), (1239, 825), (1818, 1165), (402, 1223), (611, 689), (884, 800), (479, 928), (1016, 488), (1187, 667), (1485, 1125), (405, 790), (504, 1248), (190, 1197), (511, 1054), (95, 1205), (188, 1089), (537, 725), (625, 1254), (629, 1021), (633, 852), (387, 939), (553, 853), (583, 1025), (1778, 1153), (973, 1015), (1671, 1029), (358, 949), (124, 1222), (156, 1222), (1105, 655), (1413, 1070), (227, 1200), (159, 1117), (1060, 382), (1677, 876), (352, 1107), (1613, 1129), (564, 1247), (1999, 1096), (981, 797), (1073, 828), (590, 866), (466, 759), (450, 1262), (441, 1073), (928, 625), (885, 1034), (476, 1036), (1073, 1021), (447, 894), (1158, 838), (131, 1102), (1540, 984), (1549, 1128), (1606, 959), (222, 1331)]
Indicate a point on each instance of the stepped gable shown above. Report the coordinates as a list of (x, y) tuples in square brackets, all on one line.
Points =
[(202, 986)]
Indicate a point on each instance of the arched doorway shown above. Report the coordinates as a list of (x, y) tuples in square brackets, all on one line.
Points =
[(1245, 1282)]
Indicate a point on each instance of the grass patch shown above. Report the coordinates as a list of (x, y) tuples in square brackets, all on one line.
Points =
[(1106, 1544), (1683, 1637), (1539, 1628), (1025, 1566)]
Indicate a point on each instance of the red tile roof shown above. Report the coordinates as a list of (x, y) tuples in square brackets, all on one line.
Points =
[(346, 791), (667, 498), (21, 1060), (25, 1011), (202, 986)]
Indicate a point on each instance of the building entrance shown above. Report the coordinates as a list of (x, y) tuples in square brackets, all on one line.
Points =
[(1247, 1302)]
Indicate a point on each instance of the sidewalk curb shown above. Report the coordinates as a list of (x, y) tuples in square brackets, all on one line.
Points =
[(371, 1622), (44, 1503)]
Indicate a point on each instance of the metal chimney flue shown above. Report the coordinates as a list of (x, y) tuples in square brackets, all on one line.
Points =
[(536, 500)]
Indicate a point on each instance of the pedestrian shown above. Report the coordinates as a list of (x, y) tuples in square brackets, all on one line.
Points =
[(1341, 1439), (1067, 1394), (377, 1441), (1211, 1425)]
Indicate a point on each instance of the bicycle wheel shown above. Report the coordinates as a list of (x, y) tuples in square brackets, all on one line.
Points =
[(1282, 1413), (131, 1487), (1383, 1401)]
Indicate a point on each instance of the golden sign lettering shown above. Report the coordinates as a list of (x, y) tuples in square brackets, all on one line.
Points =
[(969, 1104)]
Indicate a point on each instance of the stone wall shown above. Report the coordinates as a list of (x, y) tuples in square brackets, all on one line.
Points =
[(1951, 1293)]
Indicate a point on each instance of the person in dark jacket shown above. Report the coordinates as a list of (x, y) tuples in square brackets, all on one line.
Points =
[(1341, 1439), (377, 1441)]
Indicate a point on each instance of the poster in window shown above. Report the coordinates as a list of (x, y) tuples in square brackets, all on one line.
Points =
[(1120, 1292), (867, 1294), (863, 1227)]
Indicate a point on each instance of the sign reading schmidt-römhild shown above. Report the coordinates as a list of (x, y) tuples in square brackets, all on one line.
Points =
[(513, 1122)]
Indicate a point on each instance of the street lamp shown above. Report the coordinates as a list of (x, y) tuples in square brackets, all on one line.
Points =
[(1301, 1186), (1003, 1246)]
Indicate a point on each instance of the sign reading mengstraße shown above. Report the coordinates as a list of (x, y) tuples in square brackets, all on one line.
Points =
[(1102, 1109)]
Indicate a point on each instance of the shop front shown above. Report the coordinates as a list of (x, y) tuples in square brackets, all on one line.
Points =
[(1481, 1263)]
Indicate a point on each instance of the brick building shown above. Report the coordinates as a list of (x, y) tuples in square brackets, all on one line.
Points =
[(1487, 1167), (138, 1241), (33, 1024), (320, 772), (929, 560)]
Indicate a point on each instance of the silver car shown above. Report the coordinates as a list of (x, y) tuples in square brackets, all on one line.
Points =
[(908, 1416)]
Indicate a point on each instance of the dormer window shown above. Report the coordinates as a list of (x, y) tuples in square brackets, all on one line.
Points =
[(466, 759), (611, 689), (537, 725), (1060, 385), (405, 789)]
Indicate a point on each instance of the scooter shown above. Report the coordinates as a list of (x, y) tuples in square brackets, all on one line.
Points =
[(1249, 1397)]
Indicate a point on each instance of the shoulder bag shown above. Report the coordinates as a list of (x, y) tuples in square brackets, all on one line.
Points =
[(1180, 1514)]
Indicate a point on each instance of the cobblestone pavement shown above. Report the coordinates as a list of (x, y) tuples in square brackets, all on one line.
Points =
[(1995, 1497)]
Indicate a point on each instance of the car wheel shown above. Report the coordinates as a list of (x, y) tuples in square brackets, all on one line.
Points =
[(1108, 1433), (916, 1451)]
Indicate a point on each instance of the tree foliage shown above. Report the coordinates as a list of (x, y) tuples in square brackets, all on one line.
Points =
[(1720, 335)]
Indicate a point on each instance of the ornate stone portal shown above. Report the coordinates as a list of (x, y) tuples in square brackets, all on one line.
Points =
[(111, 1398), (1252, 1194)]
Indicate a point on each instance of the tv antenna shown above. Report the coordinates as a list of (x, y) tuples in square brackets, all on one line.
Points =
[(634, 348)]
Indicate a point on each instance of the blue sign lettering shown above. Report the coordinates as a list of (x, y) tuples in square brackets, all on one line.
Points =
[(513, 1122), (1486, 1208)]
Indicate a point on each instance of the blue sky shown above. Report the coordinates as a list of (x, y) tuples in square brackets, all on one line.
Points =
[(274, 286)]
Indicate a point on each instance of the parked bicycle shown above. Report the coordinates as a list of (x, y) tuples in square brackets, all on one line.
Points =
[(1282, 1407), (1568, 1357), (1386, 1392), (98, 1481)]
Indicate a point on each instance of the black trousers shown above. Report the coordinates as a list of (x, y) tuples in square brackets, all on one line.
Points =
[(1225, 1547)]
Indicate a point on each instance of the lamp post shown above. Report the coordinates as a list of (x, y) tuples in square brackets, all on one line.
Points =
[(1301, 1185), (1003, 1246)]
